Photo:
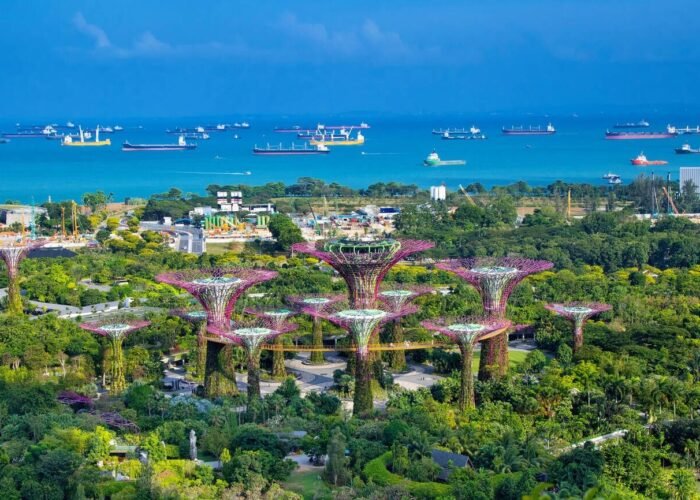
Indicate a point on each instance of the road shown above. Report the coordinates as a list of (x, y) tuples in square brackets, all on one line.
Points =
[(188, 239)]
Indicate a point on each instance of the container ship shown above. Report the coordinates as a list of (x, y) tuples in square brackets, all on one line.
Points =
[(638, 135), (280, 150), (639, 124), (643, 161), (537, 130), (182, 145)]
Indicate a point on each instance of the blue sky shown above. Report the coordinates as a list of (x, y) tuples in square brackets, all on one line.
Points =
[(184, 58)]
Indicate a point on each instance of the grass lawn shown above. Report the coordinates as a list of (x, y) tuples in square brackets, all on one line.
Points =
[(515, 358), (218, 248), (307, 484)]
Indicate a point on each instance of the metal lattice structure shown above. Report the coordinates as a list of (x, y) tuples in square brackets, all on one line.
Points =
[(13, 251), (75, 400), (116, 421), (494, 279), (250, 338), (217, 289), (197, 317), (362, 264), (314, 305), (578, 313), (116, 330), (466, 332), (274, 319)]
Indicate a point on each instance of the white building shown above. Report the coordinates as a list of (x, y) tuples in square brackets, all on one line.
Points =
[(11, 214), (438, 193), (690, 174)]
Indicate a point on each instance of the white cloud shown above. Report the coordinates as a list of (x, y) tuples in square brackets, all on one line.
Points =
[(95, 32)]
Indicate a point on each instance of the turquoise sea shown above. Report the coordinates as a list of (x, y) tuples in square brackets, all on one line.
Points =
[(393, 151)]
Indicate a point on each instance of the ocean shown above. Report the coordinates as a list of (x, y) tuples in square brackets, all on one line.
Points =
[(35, 169)]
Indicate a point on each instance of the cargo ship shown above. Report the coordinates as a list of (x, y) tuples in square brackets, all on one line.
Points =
[(343, 139), (280, 150), (457, 131), (638, 135), (536, 130), (433, 160), (30, 132), (68, 140), (182, 145), (685, 130), (643, 161), (685, 149), (639, 124)]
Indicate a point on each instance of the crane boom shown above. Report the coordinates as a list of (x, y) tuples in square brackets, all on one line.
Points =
[(670, 200), (464, 192)]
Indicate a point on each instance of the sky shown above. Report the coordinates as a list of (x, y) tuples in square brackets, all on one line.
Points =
[(175, 58)]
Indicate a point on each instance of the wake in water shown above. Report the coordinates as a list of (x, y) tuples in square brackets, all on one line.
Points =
[(247, 172)]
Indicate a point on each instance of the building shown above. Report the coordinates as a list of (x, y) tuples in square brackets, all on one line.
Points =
[(438, 193), (448, 462), (690, 174), (229, 201), (12, 214)]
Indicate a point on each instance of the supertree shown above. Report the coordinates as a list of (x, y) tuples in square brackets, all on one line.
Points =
[(250, 338), (495, 279), (362, 264), (579, 313), (218, 290), (395, 299), (13, 251), (466, 332), (198, 317), (275, 319), (116, 330), (75, 400), (314, 306), (361, 324)]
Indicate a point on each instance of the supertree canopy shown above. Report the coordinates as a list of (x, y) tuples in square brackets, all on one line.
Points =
[(218, 290), (362, 263), (314, 306), (395, 299), (579, 313), (116, 330), (275, 319), (250, 338), (466, 332), (495, 279), (361, 324), (13, 251)]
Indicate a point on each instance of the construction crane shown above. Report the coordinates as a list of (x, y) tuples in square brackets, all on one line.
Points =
[(74, 220), (670, 200), (568, 205), (63, 222), (469, 198)]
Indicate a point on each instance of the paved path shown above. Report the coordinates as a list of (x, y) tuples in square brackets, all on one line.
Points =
[(189, 239)]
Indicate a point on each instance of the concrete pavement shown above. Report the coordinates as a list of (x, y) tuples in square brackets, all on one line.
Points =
[(188, 239)]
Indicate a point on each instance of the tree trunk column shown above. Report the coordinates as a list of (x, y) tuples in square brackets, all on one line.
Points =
[(363, 403), (118, 382), (219, 380), (278, 369), (578, 334), (466, 392), (493, 362), (202, 351), (253, 375), (14, 297), (397, 359), (317, 357)]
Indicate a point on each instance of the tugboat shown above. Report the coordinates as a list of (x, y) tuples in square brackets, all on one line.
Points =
[(181, 145), (685, 149), (643, 161), (612, 178), (280, 150), (549, 130), (433, 160)]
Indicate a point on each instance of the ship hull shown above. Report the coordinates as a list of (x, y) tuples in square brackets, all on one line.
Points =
[(157, 147), (528, 132), (620, 136), (680, 151), (264, 152)]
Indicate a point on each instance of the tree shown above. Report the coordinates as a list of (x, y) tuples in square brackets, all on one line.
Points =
[(336, 471), (96, 200), (284, 231)]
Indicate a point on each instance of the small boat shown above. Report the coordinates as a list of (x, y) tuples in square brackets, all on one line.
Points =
[(105, 130), (340, 139), (294, 129), (182, 145), (643, 161), (3, 140), (241, 125), (235, 136), (280, 150), (685, 149), (433, 160), (118, 128), (639, 124), (612, 178), (536, 130), (70, 124), (68, 140), (203, 136), (180, 130), (638, 135)]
